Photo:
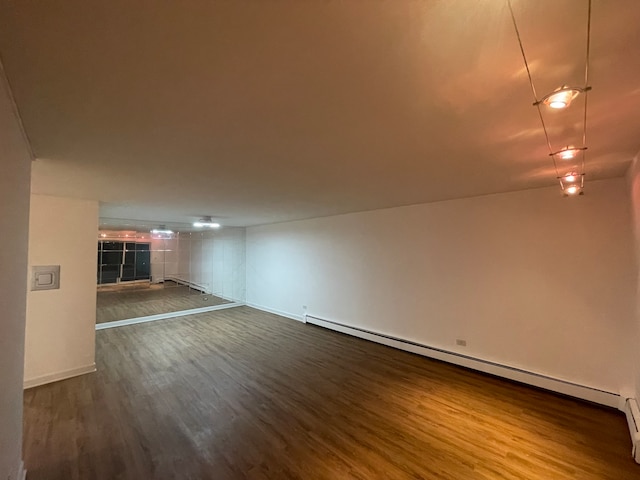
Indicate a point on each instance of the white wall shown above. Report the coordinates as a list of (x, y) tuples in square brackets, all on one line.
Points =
[(633, 176), (200, 261), (229, 271), (183, 256), (157, 260), (60, 329), (14, 222), (213, 260), (164, 259), (529, 279)]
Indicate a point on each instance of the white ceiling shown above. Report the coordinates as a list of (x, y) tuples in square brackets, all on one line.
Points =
[(263, 111)]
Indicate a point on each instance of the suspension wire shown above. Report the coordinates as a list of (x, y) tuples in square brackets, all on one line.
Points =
[(586, 93), (533, 89)]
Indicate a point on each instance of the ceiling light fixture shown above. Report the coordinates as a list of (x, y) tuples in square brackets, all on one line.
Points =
[(161, 230), (573, 190), (572, 183), (558, 99), (570, 177), (206, 222), (561, 97), (568, 152)]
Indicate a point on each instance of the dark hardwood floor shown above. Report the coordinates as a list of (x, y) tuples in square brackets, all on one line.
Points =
[(123, 301), (240, 394)]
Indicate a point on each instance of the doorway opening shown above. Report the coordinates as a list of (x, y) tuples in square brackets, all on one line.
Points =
[(143, 275)]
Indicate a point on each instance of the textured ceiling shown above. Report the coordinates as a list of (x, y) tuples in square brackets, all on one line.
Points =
[(263, 111)]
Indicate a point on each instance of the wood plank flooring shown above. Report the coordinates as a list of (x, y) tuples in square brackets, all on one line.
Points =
[(241, 394), (140, 300)]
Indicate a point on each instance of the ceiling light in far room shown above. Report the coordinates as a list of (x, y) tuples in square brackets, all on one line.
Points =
[(161, 230), (206, 222), (568, 152), (562, 97)]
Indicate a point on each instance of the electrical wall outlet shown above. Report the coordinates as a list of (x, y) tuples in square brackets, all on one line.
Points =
[(460, 342)]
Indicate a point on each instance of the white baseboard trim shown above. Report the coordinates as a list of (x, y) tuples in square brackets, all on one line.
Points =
[(584, 392), (22, 472), (54, 377), (229, 299), (164, 316), (299, 318)]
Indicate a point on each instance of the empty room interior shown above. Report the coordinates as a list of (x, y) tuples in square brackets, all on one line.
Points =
[(320, 240)]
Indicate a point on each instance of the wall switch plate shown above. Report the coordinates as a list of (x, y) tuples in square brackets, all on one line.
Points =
[(460, 342), (45, 277)]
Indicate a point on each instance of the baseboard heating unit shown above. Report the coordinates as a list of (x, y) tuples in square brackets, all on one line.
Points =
[(565, 387), (633, 419)]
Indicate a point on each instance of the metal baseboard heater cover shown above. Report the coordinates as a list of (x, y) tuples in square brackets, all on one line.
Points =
[(565, 387), (633, 419)]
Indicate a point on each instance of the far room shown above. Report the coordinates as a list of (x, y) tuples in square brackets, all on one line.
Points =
[(148, 271)]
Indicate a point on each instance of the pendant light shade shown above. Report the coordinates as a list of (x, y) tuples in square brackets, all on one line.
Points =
[(573, 190), (570, 178), (572, 183), (568, 152), (561, 97)]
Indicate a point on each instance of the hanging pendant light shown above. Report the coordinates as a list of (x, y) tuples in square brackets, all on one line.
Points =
[(570, 178), (568, 152), (573, 190), (572, 183), (561, 97)]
